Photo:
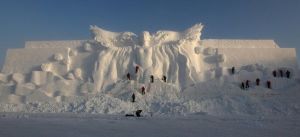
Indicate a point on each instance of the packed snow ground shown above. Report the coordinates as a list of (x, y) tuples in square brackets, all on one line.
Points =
[(88, 125)]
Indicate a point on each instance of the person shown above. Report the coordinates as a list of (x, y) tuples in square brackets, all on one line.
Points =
[(128, 76), (274, 73), (232, 70), (288, 73), (164, 78), (269, 84), (143, 90), (133, 98), (136, 69), (151, 78), (247, 83), (138, 113), (281, 73), (257, 81), (242, 85)]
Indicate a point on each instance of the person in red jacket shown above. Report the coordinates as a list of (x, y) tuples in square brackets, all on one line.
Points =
[(143, 90)]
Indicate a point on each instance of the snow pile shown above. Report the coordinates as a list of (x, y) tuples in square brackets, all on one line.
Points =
[(91, 76)]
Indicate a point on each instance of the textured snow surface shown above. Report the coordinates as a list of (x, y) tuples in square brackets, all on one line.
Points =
[(89, 76), (87, 125)]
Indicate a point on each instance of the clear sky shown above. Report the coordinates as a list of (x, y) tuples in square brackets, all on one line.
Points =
[(25, 20)]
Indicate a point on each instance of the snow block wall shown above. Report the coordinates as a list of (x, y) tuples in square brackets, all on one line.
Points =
[(59, 69)]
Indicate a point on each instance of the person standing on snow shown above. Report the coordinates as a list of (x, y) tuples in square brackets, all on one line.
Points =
[(164, 78), (232, 70), (151, 78), (288, 73), (143, 90), (274, 73), (281, 73), (247, 84), (128, 76), (269, 84), (257, 81), (136, 69), (242, 85), (133, 98)]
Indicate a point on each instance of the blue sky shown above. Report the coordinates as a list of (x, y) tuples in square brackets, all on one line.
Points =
[(25, 20)]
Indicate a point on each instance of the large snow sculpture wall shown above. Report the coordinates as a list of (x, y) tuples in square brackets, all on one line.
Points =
[(105, 59)]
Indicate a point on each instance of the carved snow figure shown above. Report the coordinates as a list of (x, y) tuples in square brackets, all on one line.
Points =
[(46, 67), (58, 57), (78, 73), (18, 78), (87, 47), (73, 52), (70, 76)]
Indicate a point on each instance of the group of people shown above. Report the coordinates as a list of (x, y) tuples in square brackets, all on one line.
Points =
[(281, 74), (246, 85)]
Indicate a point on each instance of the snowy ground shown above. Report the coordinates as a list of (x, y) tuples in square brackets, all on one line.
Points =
[(88, 125)]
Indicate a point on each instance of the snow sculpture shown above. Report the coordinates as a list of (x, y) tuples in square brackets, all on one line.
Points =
[(46, 67), (70, 76), (108, 56), (73, 52), (18, 77), (58, 57), (87, 47), (78, 73)]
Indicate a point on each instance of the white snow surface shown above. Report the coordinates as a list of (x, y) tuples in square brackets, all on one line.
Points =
[(89, 76)]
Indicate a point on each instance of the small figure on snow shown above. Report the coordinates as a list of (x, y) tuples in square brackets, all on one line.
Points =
[(247, 84), (232, 70), (143, 90), (257, 81), (133, 98), (281, 73), (138, 113), (242, 85), (136, 69), (288, 73), (128, 76), (269, 84), (151, 78), (274, 73), (164, 78)]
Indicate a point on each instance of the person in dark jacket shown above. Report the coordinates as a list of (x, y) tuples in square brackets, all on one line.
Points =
[(242, 85), (136, 69), (274, 73), (151, 78), (133, 98), (164, 78), (138, 113), (257, 81), (281, 73), (128, 76), (288, 73), (232, 70), (247, 84), (269, 84)]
